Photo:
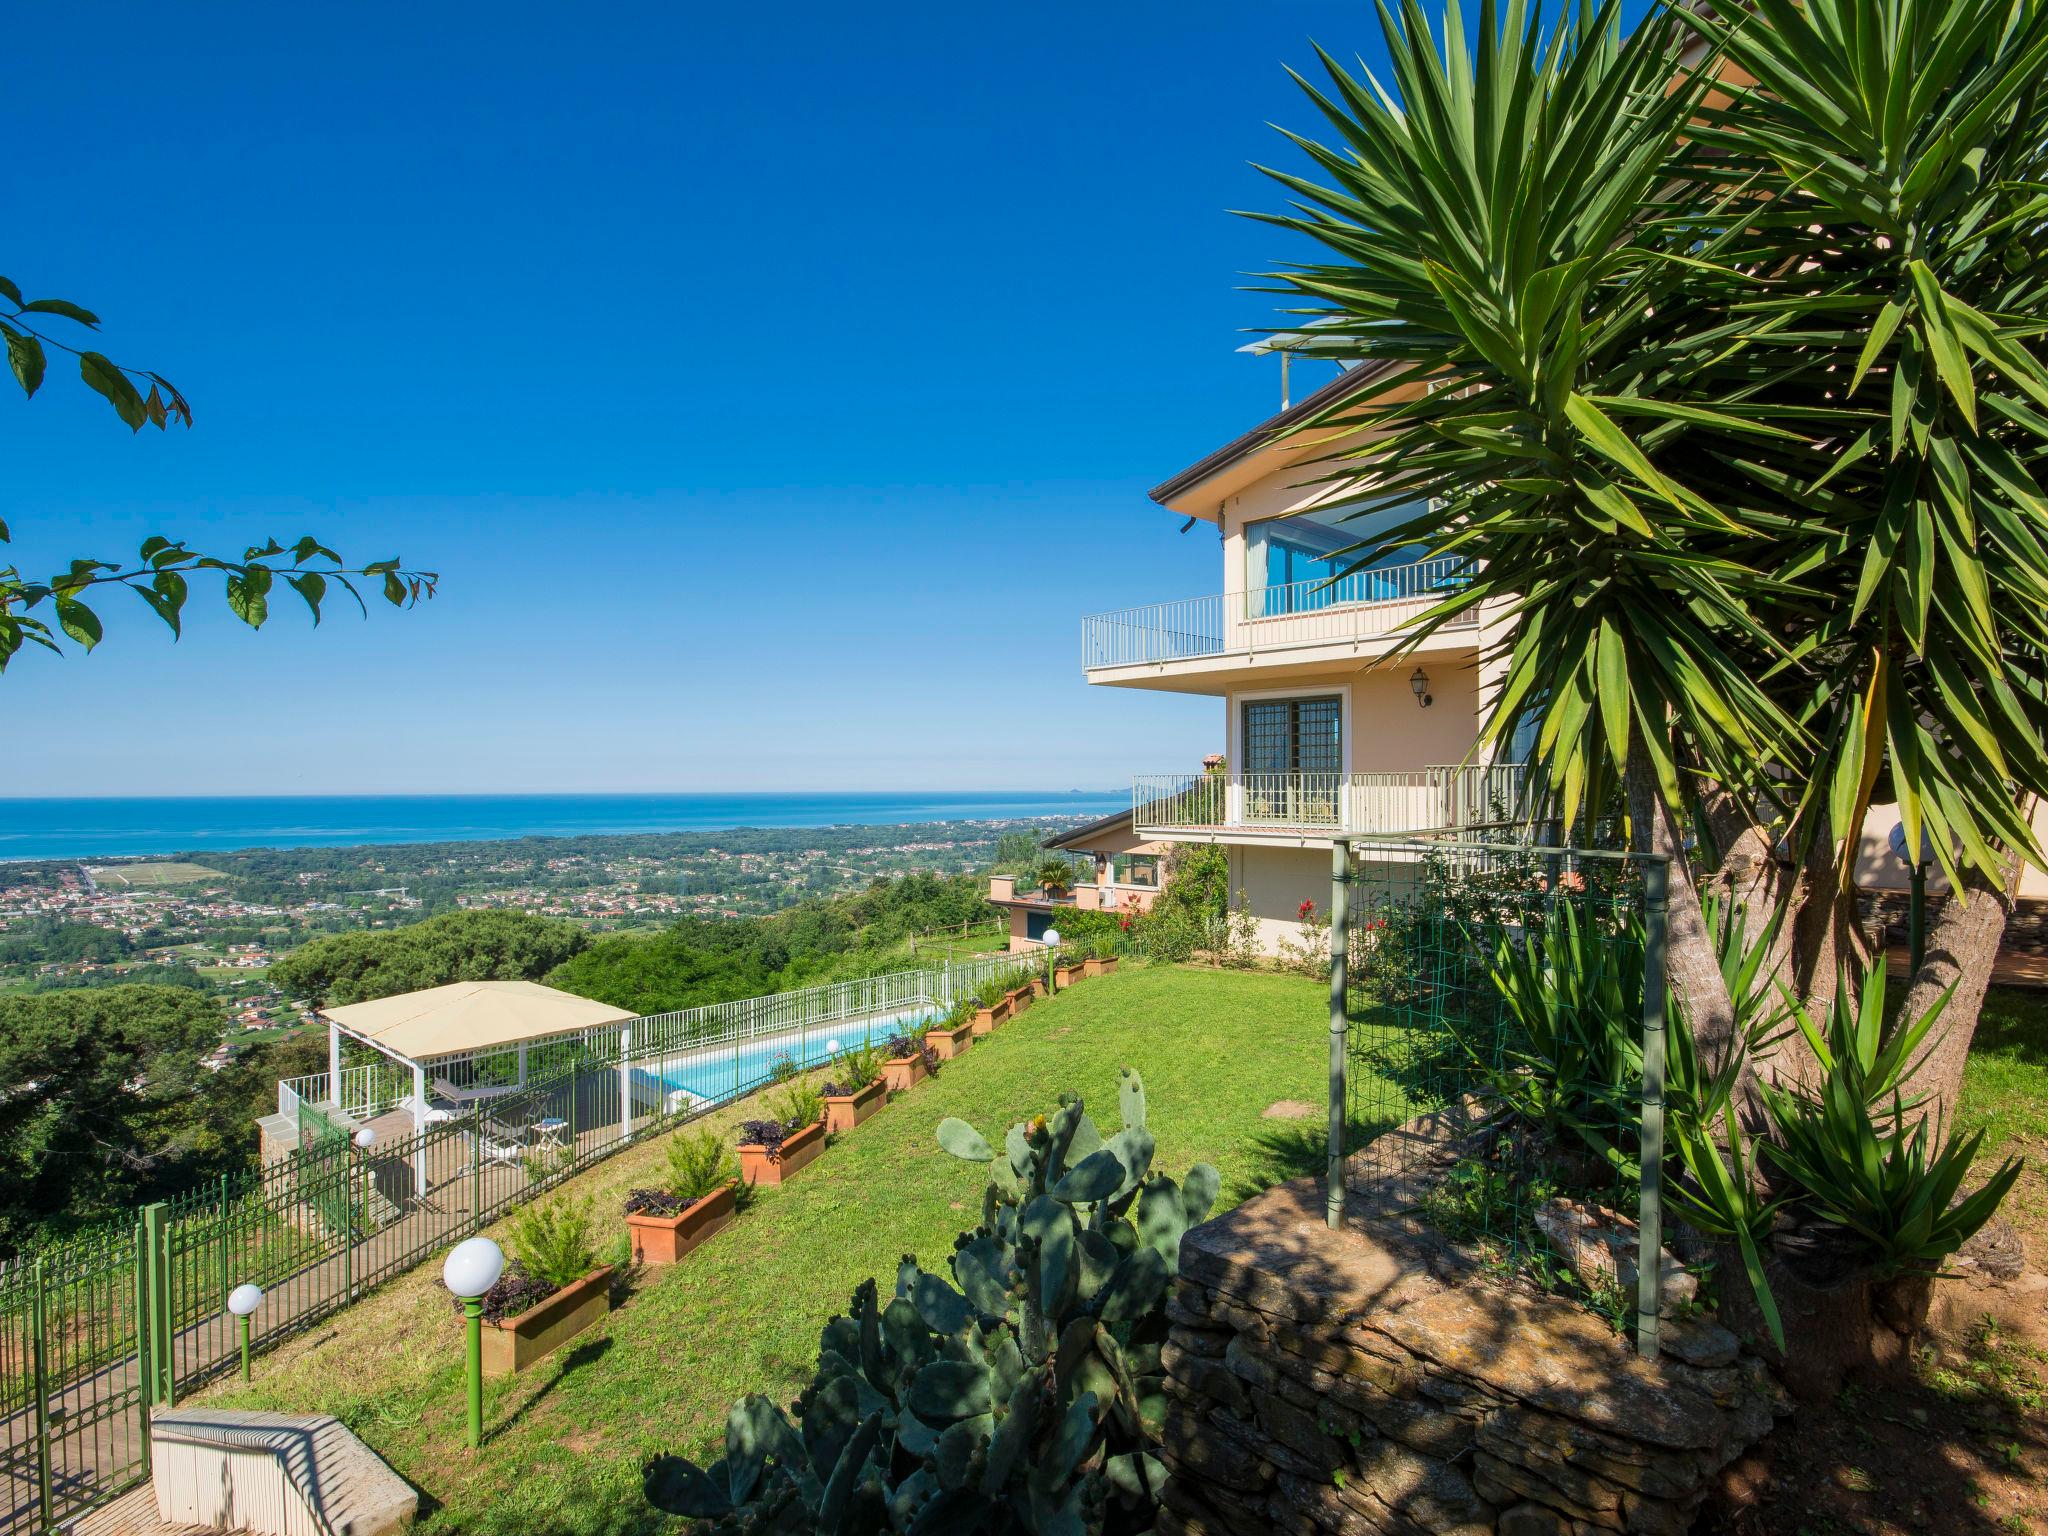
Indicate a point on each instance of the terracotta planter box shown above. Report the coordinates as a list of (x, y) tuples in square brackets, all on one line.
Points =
[(843, 1111), (1020, 1000), (1101, 965), (798, 1151), (1038, 986), (1066, 975), (519, 1342), (949, 1043), (904, 1073), (665, 1239), (986, 1019)]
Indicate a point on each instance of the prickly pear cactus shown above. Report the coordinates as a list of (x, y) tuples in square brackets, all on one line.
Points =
[(1023, 1395)]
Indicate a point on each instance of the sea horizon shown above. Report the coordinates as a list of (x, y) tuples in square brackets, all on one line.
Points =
[(86, 827)]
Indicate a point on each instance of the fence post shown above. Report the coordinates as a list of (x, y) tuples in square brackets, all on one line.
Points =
[(625, 1084), (42, 1410), (224, 1286), (1340, 958), (476, 1170), (1650, 1215), (139, 1302), (156, 1274)]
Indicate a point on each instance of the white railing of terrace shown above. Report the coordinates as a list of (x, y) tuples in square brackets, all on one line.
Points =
[(1367, 604), (1176, 631), (799, 1019), (367, 1088), (1421, 799)]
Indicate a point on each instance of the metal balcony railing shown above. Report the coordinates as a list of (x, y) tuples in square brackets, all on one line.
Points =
[(1417, 800), (1364, 605)]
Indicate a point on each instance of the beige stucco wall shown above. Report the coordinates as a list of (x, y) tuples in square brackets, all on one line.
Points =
[(1274, 882), (1878, 869), (1385, 730)]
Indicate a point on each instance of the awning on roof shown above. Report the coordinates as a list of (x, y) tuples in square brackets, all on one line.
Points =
[(467, 1016)]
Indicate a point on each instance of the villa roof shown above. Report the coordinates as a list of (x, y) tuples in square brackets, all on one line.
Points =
[(1266, 432), (1110, 823), (471, 1016)]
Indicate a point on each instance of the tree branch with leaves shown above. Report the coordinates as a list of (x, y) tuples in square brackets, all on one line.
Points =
[(162, 571)]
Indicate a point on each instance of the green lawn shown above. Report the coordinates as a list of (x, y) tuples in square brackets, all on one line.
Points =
[(2005, 1093), (565, 1443)]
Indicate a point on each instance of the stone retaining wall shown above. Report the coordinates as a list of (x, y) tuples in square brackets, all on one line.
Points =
[(1359, 1383)]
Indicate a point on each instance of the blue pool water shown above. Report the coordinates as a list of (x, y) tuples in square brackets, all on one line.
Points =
[(718, 1072)]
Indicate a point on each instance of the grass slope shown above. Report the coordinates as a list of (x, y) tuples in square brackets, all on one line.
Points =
[(564, 1444)]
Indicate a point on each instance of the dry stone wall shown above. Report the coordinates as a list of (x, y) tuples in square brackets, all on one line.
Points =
[(1362, 1383)]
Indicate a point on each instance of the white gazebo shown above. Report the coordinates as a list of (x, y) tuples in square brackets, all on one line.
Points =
[(440, 1033)]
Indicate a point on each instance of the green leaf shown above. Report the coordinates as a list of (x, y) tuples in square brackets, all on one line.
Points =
[(62, 307), (103, 376), (249, 594), (311, 586), (78, 621), (25, 357), (1949, 362)]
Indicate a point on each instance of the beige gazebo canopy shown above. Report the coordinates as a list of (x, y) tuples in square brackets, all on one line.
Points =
[(458, 1023), (467, 1017)]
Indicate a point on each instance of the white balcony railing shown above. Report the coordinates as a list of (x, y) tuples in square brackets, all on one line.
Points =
[(1364, 605), (1417, 800)]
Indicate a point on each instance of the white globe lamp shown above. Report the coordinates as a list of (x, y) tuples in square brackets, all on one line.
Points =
[(470, 1270), (243, 1301)]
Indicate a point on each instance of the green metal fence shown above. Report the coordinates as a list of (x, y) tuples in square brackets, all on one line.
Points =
[(97, 1330), (1497, 1057)]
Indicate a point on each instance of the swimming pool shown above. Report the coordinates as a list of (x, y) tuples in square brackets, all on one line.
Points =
[(716, 1072)]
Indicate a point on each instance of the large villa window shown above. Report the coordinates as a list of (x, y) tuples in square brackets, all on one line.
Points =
[(1293, 760), (1291, 560), (1289, 736)]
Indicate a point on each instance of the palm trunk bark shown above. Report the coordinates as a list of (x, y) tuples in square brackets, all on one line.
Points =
[(1962, 944), (1691, 963)]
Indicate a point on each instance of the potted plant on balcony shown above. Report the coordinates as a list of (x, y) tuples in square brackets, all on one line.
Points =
[(953, 1033), (856, 1089), (908, 1060), (694, 1201), (553, 1288), (781, 1147), (991, 1006), (1055, 878)]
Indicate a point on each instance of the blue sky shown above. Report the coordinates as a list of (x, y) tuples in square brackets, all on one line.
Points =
[(774, 386)]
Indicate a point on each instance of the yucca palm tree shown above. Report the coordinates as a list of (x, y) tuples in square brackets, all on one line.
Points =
[(1732, 394)]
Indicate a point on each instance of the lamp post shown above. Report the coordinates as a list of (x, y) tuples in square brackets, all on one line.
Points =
[(1916, 910), (243, 1300), (471, 1269), (1052, 945)]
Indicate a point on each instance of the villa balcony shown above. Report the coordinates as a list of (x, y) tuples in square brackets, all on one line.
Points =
[(1207, 640), (1308, 809)]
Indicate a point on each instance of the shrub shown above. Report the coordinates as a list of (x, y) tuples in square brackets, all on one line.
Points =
[(798, 1105), (698, 1163), (855, 1069), (1027, 1391), (552, 1240)]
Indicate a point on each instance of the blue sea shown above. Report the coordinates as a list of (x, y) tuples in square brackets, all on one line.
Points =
[(110, 828)]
